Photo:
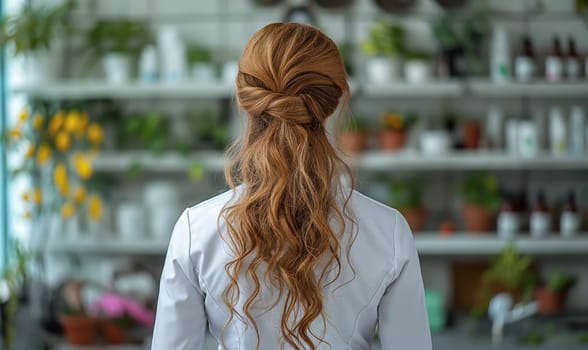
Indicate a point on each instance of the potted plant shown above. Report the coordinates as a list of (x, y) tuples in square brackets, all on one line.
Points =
[(199, 61), (472, 131), (354, 136), (118, 42), (385, 47), (406, 196), (552, 296), (79, 327), (32, 33), (482, 199), (417, 67), (392, 135)]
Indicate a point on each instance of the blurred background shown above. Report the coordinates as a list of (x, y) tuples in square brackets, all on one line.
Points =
[(468, 116)]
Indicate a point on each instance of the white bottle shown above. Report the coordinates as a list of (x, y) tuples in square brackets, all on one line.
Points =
[(540, 220), (508, 223), (557, 132), (500, 66), (577, 126), (148, 64), (172, 52), (554, 63), (512, 137), (569, 223), (527, 139), (494, 127)]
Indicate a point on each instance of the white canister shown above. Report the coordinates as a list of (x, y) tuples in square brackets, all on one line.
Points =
[(417, 71), (435, 142), (557, 132), (577, 126), (117, 68), (382, 69), (569, 224), (527, 139), (540, 224), (130, 221)]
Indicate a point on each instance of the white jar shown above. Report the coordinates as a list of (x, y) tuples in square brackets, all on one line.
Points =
[(435, 142), (382, 69), (417, 71), (117, 68), (540, 224), (148, 65), (508, 224), (569, 223), (130, 221)]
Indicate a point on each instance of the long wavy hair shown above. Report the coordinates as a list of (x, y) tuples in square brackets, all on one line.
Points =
[(291, 212)]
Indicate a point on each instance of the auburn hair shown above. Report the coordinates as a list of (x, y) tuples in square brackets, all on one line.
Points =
[(291, 78)]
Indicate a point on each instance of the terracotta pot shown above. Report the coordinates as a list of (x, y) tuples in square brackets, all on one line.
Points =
[(447, 228), (354, 141), (477, 219), (391, 139), (472, 133), (415, 218), (550, 302), (113, 333), (79, 329)]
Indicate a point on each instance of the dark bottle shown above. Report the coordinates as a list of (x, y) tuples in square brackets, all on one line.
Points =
[(540, 220), (572, 60), (569, 223), (554, 63), (525, 61)]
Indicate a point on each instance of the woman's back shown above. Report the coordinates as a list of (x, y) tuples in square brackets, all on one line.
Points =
[(384, 285)]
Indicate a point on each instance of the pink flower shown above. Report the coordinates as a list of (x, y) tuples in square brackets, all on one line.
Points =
[(114, 305)]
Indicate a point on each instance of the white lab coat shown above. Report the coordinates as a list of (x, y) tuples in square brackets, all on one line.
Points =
[(387, 288)]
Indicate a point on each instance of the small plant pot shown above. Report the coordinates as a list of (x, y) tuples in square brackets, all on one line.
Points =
[(417, 71), (382, 69), (416, 218), (353, 142), (471, 135), (549, 302), (477, 219), (79, 330), (435, 142), (117, 68), (113, 333), (391, 139)]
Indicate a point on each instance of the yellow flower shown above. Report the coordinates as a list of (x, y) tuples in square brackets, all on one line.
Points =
[(72, 121), (43, 154), (30, 152), (68, 210), (27, 215), (393, 120), (95, 208), (15, 133), (79, 194), (82, 166), (60, 179), (56, 122), (26, 196), (37, 121), (37, 196), (82, 125), (62, 141), (95, 133), (24, 115)]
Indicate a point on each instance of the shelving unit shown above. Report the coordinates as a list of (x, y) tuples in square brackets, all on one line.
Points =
[(538, 88), (427, 243), (440, 88), (102, 347), (111, 162)]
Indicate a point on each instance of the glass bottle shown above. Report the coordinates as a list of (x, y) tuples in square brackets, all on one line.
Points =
[(525, 61), (554, 62), (540, 220), (572, 61), (569, 223)]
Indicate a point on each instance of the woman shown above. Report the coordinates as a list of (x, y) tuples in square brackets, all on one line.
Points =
[(290, 257)]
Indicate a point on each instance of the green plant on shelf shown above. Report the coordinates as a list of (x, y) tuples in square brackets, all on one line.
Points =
[(355, 125), (199, 54), (121, 36), (417, 55), (35, 27), (561, 282), (509, 272), (385, 39), (151, 131), (406, 194), (210, 130), (482, 189)]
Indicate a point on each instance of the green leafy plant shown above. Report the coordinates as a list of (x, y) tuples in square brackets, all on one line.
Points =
[(199, 54), (34, 27), (406, 194), (209, 129), (416, 55), (385, 39), (150, 131), (509, 271), (560, 282), (14, 281), (481, 189), (354, 124), (121, 36)]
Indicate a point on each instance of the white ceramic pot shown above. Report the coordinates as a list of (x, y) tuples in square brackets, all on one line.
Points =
[(117, 68), (382, 69), (417, 71), (130, 221), (435, 142), (41, 66)]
